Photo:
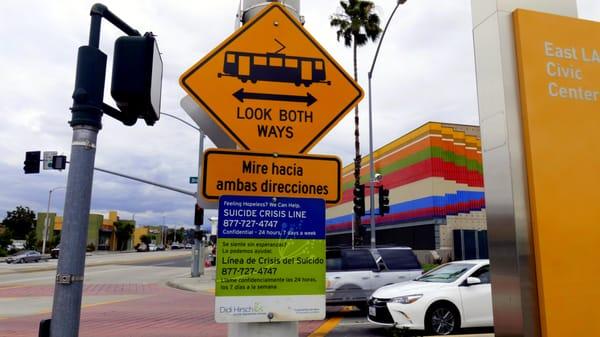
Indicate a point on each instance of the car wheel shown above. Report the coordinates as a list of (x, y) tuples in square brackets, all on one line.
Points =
[(442, 320)]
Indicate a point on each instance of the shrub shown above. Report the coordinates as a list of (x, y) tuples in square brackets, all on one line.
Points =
[(428, 266), (90, 248)]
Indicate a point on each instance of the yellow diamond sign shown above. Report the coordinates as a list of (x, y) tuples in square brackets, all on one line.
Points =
[(271, 86)]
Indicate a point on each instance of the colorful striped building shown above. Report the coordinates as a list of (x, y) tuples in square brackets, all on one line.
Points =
[(435, 177)]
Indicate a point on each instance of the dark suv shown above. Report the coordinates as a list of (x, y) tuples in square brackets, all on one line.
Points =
[(354, 274)]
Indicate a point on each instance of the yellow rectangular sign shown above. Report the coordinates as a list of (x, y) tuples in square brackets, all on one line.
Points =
[(559, 74), (229, 172)]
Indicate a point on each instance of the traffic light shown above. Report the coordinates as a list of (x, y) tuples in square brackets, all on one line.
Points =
[(198, 215), (137, 79), (59, 162), (384, 200), (32, 162), (359, 200)]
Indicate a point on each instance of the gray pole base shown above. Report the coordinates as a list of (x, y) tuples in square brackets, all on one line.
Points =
[(275, 329)]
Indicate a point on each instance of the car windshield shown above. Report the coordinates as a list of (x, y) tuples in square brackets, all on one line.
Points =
[(446, 274)]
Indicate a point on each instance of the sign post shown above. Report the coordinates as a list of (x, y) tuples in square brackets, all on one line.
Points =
[(273, 89)]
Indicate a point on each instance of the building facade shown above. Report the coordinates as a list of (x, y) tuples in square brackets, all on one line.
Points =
[(101, 231), (437, 205)]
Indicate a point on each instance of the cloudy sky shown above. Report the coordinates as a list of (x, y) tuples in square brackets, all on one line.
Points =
[(425, 72)]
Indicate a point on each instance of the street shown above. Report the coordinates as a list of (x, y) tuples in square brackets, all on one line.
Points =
[(127, 295)]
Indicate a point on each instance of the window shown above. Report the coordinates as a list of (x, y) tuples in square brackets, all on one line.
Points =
[(291, 63), (230, 57), (399, 259), (276, 61), (333, 261), (447, 273), (358, 259), (483, 274), (260, 60), (319, 65)]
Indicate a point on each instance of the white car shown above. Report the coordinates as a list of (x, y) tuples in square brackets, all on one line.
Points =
[(152, 247), (452, 296)]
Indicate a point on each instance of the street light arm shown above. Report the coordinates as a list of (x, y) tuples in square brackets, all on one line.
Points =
[(183, 121), (400, 2)]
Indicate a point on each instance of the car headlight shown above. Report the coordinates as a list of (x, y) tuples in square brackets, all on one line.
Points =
[(408, 299)]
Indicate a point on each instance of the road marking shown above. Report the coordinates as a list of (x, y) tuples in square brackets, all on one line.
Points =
[(326, 327), (11, 287), (329, 324)]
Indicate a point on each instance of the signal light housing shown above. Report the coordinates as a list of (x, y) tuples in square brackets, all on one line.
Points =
[(384, 200), (32, 162), (359, 200), (137, 78)]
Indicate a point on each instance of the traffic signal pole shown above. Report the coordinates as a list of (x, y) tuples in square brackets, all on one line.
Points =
[(86, 123), (198, 257), (371, 159)]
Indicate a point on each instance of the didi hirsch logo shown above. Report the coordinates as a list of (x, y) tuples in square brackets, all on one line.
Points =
[(250, 309)]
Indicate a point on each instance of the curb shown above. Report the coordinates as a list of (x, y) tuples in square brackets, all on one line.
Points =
[(204, 283), (181, 286)]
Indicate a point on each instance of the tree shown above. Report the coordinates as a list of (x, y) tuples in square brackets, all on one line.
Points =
[(5, 238), (357, 24), (123, 231), (180, 234), (31, 241), (20, 222), (55, 240), (146, 239)]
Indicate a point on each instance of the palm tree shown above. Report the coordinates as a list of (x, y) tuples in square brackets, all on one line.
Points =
[(356, 24)]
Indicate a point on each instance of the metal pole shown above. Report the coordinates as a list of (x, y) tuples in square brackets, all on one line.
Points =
[(372, 172), (198, 258), (371, 160), (66, 307), (175, 189), (47, 219), (86, 122), (274, 329), (46, 223)]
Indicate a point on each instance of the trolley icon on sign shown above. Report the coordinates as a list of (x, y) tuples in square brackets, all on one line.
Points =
[(274, 67)]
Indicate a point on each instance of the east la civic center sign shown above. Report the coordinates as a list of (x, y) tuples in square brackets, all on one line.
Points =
[(538, 78), (559, 76), (276, 92)]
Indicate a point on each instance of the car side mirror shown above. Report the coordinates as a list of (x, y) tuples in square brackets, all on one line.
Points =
[(473, 281)]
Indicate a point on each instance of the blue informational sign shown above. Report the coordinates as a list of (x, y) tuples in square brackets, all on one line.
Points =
[(271, 218)]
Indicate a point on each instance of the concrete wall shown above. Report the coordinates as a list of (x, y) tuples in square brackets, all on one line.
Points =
[(474, 220)]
